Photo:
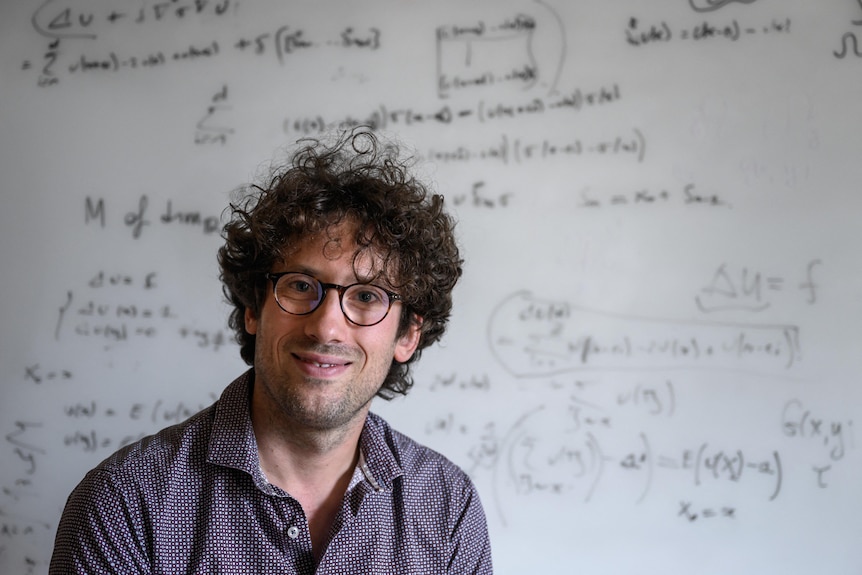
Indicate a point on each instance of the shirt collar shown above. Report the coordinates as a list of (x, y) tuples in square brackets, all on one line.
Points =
[(233, 444), (378, 460)]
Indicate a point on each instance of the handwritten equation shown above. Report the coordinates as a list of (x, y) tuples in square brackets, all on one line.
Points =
[(576, 465), (469, 55), (84, 428), (687, 195), (66, 27), (91, 426), (530, 337), (509, 150), (71, 20), (734, 288), (640, 34), (118, 308), (385, 117), (139, 218), (24, 449), (576, 445)]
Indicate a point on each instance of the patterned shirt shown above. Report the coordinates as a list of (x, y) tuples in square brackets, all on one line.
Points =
[(193, 499)]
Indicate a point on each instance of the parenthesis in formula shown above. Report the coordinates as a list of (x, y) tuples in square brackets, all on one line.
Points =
[(672, 396), (791, 334), (278, 51), (504, 148), (115, 61), (741, 463), (516, 149), (697, 464), (778, 476), (667, 31), (641, 145), (598, 460), (649, 461), (735, 30)]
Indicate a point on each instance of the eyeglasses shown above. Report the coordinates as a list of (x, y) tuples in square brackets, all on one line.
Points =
[(361, 303)]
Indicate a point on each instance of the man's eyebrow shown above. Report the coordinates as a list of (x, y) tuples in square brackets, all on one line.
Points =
[(377, 279), (299, 268)]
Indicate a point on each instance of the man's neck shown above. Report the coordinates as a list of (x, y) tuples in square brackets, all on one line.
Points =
[(305, 457), (315, 467)]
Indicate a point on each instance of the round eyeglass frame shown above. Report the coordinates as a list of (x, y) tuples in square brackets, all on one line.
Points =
[(323, 288)]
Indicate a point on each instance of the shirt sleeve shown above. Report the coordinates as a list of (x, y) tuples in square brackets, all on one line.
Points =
[(100, 531), (471, 545)]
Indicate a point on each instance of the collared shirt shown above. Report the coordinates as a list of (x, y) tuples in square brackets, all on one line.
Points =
[(193, 499)]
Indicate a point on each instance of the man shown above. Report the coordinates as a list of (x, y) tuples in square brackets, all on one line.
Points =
[(340, 272)]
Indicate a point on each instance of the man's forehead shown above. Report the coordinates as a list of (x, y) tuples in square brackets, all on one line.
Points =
[(337, 244)]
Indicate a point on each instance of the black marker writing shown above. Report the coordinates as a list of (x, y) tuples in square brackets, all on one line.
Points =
[(137, 220), (712, 5)]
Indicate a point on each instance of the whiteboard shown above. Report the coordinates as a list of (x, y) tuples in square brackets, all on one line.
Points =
[(653, 364)]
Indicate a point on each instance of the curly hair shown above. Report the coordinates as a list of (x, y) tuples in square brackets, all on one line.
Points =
[(358, 181)]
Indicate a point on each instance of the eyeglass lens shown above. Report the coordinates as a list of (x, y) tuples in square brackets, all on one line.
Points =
[(363, 304)]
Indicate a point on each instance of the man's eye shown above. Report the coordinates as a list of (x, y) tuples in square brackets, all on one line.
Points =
[(368, 296), (297, 287)]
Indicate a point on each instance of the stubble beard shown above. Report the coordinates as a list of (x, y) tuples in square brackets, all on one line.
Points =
[(293, 404)]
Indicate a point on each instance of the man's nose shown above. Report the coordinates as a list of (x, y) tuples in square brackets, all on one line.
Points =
[(327, 323)]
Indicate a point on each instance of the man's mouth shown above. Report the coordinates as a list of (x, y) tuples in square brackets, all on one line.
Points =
[(321, 363)]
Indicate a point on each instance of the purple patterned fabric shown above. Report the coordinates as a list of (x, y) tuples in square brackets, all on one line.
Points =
[(192, 499)]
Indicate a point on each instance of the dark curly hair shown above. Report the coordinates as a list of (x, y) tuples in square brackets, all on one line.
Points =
[(358, 180)]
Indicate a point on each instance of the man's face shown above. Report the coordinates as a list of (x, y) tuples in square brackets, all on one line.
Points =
[(320, 371)]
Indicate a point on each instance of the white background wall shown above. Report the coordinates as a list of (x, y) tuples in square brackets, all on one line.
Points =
[(653, 366)]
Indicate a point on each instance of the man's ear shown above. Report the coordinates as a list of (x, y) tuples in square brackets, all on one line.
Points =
[(407, 343), (250, 321)]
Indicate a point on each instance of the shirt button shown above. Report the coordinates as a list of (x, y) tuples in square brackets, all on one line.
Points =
[(293, 532)]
